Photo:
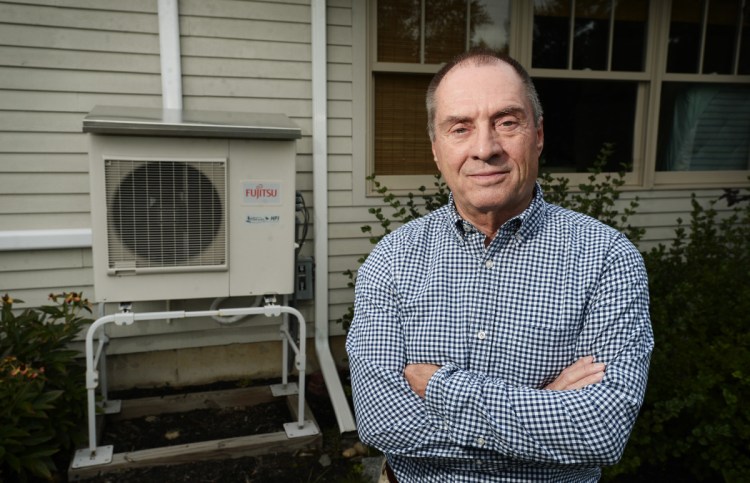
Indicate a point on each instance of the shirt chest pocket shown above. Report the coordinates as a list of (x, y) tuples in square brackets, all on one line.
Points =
[(539, 350), (434, 334)]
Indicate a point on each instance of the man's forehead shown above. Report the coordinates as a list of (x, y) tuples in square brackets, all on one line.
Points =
[(477, 66), (470, 80)]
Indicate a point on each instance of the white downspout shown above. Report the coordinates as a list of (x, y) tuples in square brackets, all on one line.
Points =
[(169, 49), (340, 404)]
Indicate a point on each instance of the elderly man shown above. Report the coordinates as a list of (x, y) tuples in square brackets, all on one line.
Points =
[(499, 338)]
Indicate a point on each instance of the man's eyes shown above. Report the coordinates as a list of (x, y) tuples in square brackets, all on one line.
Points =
[(503, 124), (507, 123)]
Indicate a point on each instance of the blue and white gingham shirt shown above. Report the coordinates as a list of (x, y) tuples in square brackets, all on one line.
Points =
[(503, 322)]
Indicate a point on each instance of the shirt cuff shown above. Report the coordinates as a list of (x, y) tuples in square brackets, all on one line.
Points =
[(442, 398), (435, 396)]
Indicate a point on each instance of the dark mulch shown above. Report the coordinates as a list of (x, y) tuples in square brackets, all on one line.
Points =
[(326, 464), (199, 425)]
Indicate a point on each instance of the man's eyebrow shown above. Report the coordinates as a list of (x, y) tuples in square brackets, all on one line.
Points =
[(455, 120), (510, 110)]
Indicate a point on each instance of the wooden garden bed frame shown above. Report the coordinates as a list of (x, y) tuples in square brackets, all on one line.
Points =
[(251, 445)]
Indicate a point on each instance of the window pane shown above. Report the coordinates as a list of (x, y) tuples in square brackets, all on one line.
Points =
[(744, 67), (551, 29), (401, 142), (704, 127), (591, 34), (445, 30), (580, 116), (721, 37), (446, 23), (399, 30), (629, 39), (490, 23), (685, 36)]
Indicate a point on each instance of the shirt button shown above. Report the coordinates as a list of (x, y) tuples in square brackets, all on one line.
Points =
[(480, 442), (481, 335), (489, 264)]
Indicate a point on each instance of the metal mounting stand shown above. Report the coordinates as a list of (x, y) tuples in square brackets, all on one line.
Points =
[(100, 455)]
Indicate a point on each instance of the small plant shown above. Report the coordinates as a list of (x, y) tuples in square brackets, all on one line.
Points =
[(597, 196), (42, 395)]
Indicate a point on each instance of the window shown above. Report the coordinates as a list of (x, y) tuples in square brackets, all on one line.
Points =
[(581, 52), (704, 122), (590, 34), (704, 127), (580, 116), (414, 37), (666, 82)]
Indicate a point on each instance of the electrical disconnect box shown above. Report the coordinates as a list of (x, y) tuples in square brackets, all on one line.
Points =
[(305, 278)]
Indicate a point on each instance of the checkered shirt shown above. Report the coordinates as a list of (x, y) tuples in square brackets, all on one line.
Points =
[(503, 321)]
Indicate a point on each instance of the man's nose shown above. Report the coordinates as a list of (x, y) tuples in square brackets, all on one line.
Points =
[(487, 143)]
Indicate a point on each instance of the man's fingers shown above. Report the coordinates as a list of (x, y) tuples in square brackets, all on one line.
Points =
[(418, 376), (586, 381), (579, 375)]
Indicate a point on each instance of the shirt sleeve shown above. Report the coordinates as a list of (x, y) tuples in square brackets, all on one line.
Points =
[(390, 416), (467, 415)]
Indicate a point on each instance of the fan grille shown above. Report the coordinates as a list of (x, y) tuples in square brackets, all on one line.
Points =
[(166, 214)]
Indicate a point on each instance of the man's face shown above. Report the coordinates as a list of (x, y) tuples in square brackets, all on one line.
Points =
[(486, 144)]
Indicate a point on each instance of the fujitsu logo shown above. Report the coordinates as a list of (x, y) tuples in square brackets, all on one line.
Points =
[(259, 191)]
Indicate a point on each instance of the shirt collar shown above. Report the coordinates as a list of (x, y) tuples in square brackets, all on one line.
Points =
[(523, 226)]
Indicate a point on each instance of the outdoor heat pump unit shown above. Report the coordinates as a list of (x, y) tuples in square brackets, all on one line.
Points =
[(191, 204), (188, 205)]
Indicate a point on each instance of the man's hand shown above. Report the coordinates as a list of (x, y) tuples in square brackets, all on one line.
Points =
[(579, 375), (418, 375)]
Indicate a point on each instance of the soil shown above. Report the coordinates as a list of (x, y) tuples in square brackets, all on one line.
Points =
[(325, 464)]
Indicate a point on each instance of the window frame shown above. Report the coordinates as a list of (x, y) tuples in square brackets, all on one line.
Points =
[(648, 101)]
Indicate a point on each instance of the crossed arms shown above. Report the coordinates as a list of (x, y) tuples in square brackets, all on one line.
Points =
[(447, 412)]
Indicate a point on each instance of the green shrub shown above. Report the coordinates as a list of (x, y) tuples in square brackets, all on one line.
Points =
[(42, 390), (695, 421)]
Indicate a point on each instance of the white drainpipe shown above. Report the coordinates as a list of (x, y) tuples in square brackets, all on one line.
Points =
[(169, 49), (340, 404)]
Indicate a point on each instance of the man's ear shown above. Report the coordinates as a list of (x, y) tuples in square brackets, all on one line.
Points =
[(434, 156)]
